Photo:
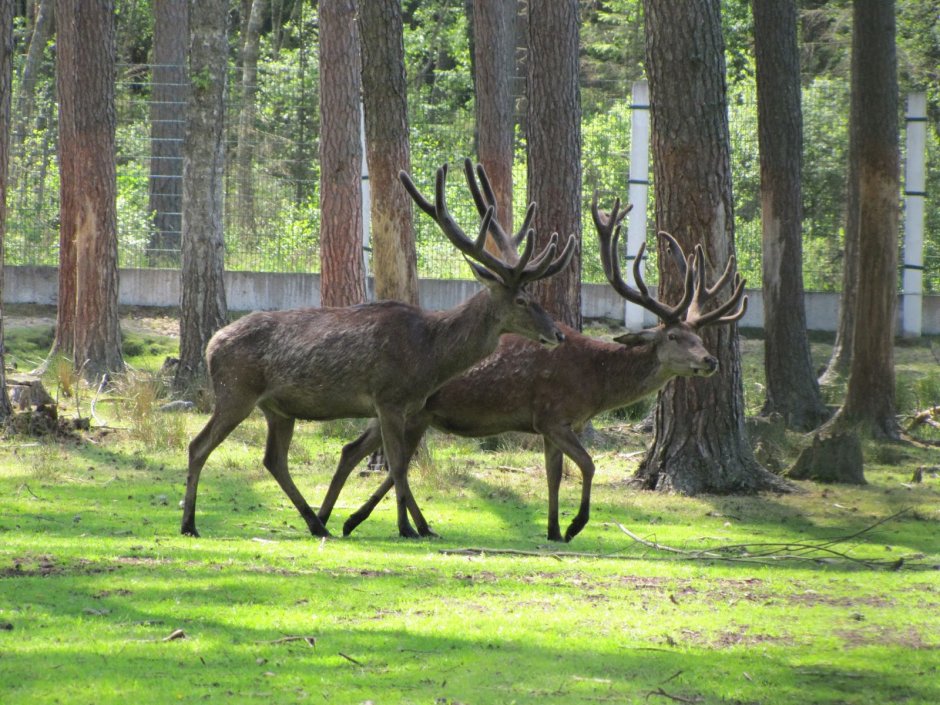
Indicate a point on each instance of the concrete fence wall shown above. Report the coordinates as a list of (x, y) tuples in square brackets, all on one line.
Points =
[(247, 291)]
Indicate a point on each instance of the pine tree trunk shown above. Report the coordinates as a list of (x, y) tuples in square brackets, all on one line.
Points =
[(342, 271), (88, 281), (26, 98), (494, 64), (203, 307), (6, 86), (170, 40), (394, 260), (245, 156), (700, 442), (870, 396), (553, 130), (791, 387)]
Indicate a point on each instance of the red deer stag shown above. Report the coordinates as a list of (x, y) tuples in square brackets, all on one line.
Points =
[(379, 360), (554, 393)]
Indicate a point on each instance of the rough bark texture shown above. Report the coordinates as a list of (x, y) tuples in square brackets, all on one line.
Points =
[(700, 442), (170, 41), (203, 308), (87, 327), (870, 397), (244, 159), (791, 387), (840, 360), (553, 128), (394, 260), (26, 98), (832, 457), (6, 84), (494, 64), (342, 270)]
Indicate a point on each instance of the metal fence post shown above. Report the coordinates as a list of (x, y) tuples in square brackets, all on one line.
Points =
[(914, 196), (633, 316)]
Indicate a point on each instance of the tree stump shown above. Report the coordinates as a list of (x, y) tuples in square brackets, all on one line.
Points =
[(833, 457)]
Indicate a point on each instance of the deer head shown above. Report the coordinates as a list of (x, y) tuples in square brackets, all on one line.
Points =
[(505, 277), (678, 345)]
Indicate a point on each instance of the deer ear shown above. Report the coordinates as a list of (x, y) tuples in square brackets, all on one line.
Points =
[(639, 338)]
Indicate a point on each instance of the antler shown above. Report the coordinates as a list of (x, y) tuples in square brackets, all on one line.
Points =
[(737, 304), (487, 265), (608, 230), (484, 197)]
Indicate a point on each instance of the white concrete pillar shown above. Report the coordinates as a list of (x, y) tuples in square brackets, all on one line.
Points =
[(914, 195), (634, 316)]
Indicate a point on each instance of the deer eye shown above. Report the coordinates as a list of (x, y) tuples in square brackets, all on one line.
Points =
[(521, 301), (673, 337)]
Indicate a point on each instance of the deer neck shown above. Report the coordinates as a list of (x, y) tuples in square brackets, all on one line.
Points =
[(632, 372), (466, 334)]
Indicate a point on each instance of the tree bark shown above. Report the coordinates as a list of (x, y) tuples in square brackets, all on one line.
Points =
[(554, 145), (870, 396), (494, 64), (6, 86), (244, 158), (87, 325), (700, 442), (26, 96), (394, 260), (167, 128), (791, 387), (203, 307), (342, 271)]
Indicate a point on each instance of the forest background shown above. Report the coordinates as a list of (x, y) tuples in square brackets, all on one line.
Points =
[(272, 203)]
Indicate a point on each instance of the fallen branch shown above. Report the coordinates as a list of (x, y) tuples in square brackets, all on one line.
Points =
[(677, 698), (310, 640), (557, 555), (350, 659), (773, 552)]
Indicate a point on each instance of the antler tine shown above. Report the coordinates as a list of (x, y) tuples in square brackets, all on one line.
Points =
[(483, 196), (736, 303), (423, 203)]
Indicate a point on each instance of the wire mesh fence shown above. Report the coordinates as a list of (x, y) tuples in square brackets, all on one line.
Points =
[(271, 183)]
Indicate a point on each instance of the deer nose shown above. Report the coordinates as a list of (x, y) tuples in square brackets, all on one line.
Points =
[(559, 336), (712, 363)]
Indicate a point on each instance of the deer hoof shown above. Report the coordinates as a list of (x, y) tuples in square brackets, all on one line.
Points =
[(406, 532), (190, 531), (428, 534)]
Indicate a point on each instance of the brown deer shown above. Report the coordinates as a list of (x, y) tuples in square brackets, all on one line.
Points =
[(524, 387), (380, 360)]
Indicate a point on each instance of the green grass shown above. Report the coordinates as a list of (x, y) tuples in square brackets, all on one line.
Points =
[(94, 577)]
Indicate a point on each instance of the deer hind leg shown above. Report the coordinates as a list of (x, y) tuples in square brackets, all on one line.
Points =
[(566, 441), (225, 417), (353, 453), (415, 430), (280, 433)]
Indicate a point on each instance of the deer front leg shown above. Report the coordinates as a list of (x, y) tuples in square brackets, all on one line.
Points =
[(280, 432), (566, 441), (225, 417), (415, 429), (393, 439), (553, 468), (353, 453)]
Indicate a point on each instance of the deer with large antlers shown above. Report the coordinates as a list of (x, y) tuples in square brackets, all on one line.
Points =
[(555, 392), (380, 360)]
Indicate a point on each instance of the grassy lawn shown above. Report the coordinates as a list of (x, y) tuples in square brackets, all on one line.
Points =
[(95, 579)]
